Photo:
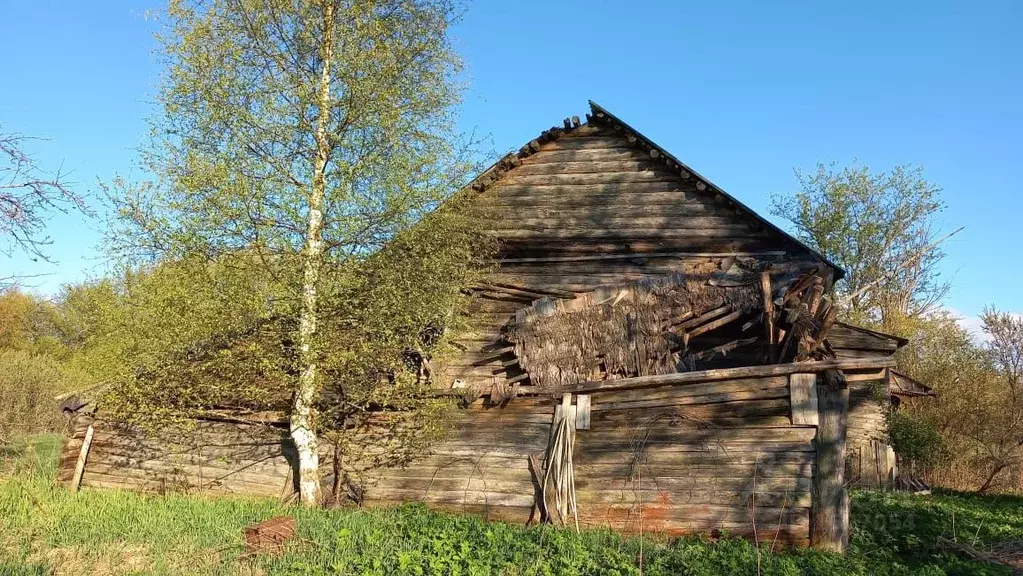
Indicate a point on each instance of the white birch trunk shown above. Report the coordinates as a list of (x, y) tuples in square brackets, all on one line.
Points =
[(303, 431)]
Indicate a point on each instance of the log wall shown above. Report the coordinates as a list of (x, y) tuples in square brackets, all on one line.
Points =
[(707, 457), (871, 459), (208, 456)]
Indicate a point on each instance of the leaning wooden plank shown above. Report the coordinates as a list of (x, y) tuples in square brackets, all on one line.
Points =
[(702, 318), (715, 324), (83, 455), (724, 349), (718, 374)]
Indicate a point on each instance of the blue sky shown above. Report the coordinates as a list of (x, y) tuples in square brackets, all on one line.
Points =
[(742, 91)]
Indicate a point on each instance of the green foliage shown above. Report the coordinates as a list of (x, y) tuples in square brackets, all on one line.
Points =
[(975, 412), (915, 440), (29, 323), (900, 533), (350, 110), (880, 227), (893, 534), (28, 384)]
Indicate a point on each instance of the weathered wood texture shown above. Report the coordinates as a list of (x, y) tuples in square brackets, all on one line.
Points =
[(210, 456), (592, 193), (869, 464), (718, 456), (698, 457), (830, 510)]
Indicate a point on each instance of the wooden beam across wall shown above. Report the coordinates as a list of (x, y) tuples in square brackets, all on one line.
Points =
[(711, 375), (629, 256)]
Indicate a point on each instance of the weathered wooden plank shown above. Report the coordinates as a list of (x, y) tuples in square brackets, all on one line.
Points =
[(803, 394), (125, 449), (618, 418), (159, 480), (588, 143), (627, 233), (629, 164), (522, 499), (516, 178), (591, 155), (522, 248), (622, 193), (601, 403), (585, 209), (841, 337), (602, 472), (830, 531), (447, 470), (642, 432), (582, 412), (703, 516), (696, 389), (524, 404), (614, 221), (710, 413), (660, 454), (718, 374), (695, 256), (635, 265), (708, 446), (852, 353), (517, 515), (126, 456), (630, 497)]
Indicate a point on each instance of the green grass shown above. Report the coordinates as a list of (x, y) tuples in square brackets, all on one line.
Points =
[(45, 529)]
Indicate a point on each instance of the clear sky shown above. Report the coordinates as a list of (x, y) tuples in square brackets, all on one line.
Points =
[(741, 91)]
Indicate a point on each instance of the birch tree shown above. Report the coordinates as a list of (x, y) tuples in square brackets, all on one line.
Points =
[(300, 136)]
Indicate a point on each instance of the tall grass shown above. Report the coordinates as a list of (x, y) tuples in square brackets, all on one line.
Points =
[(46, 529)]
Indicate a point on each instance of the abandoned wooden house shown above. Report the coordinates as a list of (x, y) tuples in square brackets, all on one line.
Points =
[(651, 355)]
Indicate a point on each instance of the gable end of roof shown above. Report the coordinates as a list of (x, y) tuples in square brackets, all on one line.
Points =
[(602, 114)]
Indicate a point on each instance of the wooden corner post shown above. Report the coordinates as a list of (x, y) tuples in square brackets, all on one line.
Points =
[(829, 523)]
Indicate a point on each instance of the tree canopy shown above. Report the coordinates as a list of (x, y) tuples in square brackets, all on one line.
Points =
[(882, 228), (300, 149)]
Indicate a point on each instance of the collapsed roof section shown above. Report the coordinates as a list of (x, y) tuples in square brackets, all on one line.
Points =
[(676, 324)]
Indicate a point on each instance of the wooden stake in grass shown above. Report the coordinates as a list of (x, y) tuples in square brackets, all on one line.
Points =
[(76, 480)]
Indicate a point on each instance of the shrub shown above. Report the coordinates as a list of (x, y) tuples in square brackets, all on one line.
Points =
[(28, 383), (916, 441)]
